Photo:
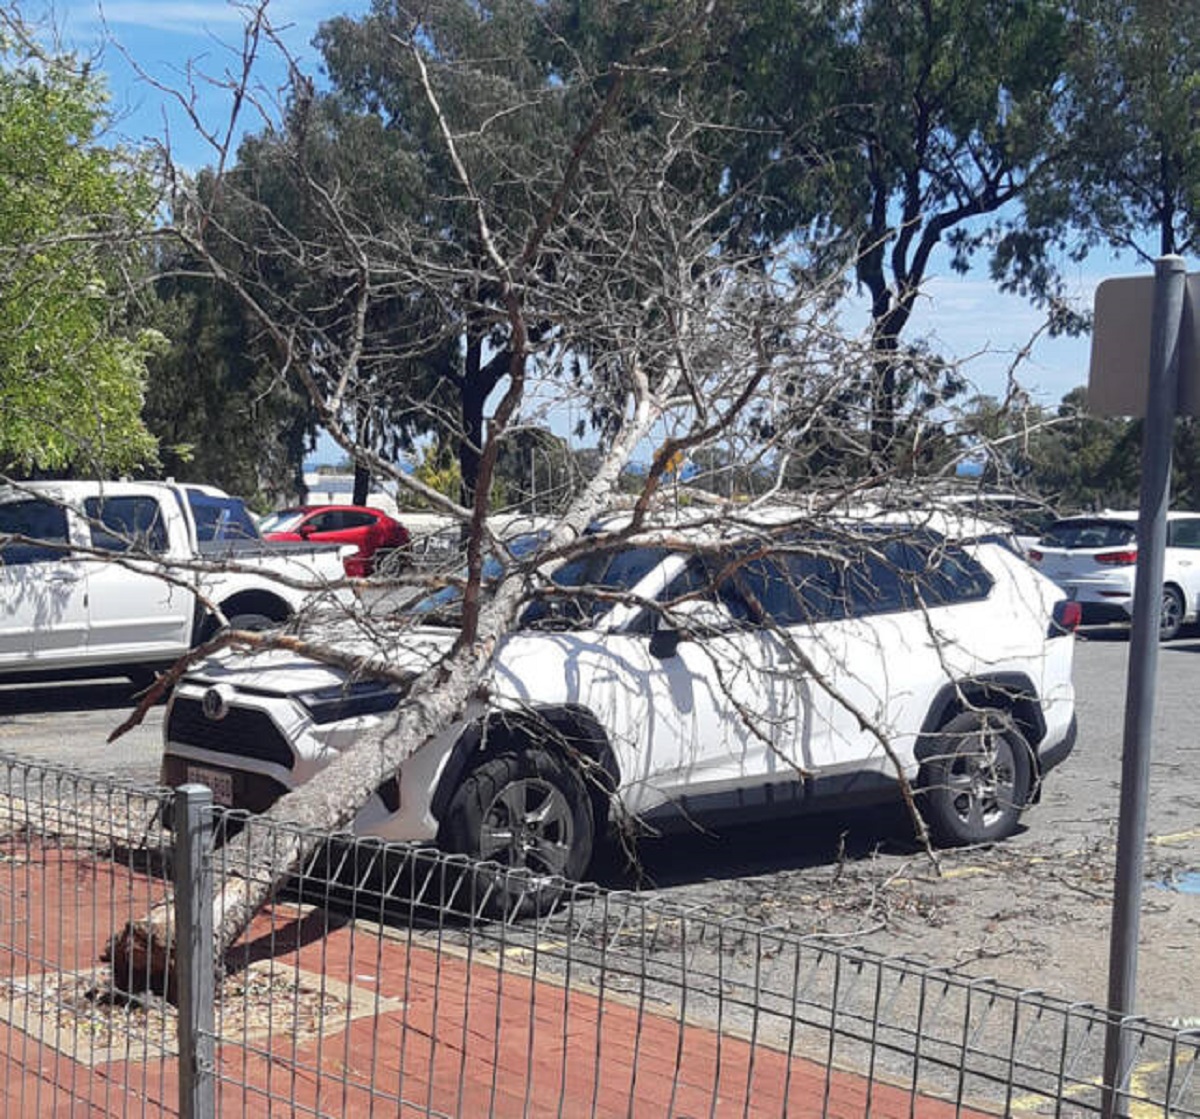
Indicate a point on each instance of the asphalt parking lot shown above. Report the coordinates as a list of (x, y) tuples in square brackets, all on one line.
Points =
[(1032, 911), (68, 723)]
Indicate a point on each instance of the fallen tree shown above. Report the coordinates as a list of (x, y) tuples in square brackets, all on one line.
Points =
[(576, 234), (594, 273)]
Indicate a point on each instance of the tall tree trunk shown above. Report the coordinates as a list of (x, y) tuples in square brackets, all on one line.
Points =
[(362, 484), (474, 397)]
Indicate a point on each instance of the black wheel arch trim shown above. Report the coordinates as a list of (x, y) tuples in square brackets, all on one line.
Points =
[(571, 728), (249, 601), (1013, 692)]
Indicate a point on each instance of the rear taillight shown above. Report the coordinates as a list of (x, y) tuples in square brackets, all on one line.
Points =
[(1034, 555), (1066, 618), (1118, 559), (358, 566)]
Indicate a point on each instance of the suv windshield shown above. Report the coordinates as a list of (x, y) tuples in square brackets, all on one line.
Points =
[(1090, 533)]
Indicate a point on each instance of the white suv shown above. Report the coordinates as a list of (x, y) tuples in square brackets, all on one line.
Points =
[(670, 685)]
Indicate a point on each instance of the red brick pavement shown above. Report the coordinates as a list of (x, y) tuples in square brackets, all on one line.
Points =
[(452, 1035)]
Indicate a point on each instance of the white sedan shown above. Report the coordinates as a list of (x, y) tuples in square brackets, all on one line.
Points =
[(1093, 557)]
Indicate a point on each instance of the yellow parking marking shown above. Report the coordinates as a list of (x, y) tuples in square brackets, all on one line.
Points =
[(1035, 1102), (1138, 1086), (1177, 837)]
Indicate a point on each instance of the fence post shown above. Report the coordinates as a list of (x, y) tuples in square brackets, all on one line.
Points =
[(195, 973)]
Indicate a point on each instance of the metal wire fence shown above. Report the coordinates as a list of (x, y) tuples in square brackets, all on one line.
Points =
[(393, 980)]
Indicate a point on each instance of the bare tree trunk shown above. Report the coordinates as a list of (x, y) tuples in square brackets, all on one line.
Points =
[(362, 484)]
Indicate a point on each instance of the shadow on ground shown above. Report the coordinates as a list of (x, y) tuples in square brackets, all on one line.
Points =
[(42, 696), (746, 850)]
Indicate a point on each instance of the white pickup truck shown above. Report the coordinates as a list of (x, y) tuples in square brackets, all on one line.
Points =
[(116, 575)]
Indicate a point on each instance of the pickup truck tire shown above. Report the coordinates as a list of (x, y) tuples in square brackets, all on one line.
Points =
[(976, 781), (524, 811), (254, 623)]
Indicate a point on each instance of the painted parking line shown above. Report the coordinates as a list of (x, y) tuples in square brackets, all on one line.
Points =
[(1176, 837), (1139, 1086)]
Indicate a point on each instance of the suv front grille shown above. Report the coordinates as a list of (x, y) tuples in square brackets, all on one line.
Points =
[(244, 732)]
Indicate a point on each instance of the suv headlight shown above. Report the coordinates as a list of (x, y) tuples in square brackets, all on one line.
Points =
[(346, 701)]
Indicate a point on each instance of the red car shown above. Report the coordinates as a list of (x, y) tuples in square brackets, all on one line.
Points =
[(372, 530)]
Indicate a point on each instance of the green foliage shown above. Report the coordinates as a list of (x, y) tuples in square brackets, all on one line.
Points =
[(438, 469), (222, 414), (534, 472), (1073, 459), (71, 213), (1130, 176)]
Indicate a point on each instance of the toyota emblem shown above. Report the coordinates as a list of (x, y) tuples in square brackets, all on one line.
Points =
[(215, 703)]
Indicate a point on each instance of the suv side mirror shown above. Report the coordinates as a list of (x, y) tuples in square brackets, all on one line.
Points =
[(689, 620)]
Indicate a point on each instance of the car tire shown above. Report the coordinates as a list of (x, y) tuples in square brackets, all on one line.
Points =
[(976, 780), (253, 623), (527, 816), (1170, 618)]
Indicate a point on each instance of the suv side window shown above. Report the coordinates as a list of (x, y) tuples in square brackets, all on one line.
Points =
[(36, 518), (613, 571), (816, 581), (121, 523), (903, 574), (793, 587), (938, 573), (875, 583), (766, 581), (1184, 533)]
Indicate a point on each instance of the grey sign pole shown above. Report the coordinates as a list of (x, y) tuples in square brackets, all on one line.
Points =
[(1154, 499)]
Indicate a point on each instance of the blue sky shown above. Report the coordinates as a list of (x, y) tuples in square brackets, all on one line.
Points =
[(964, 317)]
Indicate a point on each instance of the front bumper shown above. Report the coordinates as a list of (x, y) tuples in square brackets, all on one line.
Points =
[(268, 744)]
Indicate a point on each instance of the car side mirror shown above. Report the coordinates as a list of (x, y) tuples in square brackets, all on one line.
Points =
[(696, 618), (664, 643)]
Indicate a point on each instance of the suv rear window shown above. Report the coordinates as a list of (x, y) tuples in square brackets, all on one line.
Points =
[(1090, 533)]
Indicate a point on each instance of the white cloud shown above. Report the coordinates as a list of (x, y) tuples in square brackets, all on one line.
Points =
[(194, 19)]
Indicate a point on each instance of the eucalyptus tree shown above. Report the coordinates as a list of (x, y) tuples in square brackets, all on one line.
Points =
[(220, 411), (320, 177), (1131, 102), (897, 129)]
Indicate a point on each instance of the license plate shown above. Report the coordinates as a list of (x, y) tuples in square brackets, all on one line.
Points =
[(220, 783)]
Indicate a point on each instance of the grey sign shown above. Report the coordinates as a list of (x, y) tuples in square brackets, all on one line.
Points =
[(1120, 366)]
